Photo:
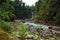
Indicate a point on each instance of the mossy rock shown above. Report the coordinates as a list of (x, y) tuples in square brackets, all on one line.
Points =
[(4, 35)]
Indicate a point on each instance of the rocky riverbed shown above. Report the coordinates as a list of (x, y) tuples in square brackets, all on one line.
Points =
[(38, 31)]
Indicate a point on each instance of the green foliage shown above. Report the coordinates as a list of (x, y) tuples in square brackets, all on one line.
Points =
[(48, 10), (22, 30), (4, 35), (6, 11), (37, 18), (21, 11), (6, 26), (13, 34)]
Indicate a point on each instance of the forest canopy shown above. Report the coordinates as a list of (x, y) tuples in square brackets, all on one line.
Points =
[(48, 11)]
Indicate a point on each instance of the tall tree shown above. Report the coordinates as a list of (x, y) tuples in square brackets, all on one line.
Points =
[(21, 11), (6, 10), (48, 10)]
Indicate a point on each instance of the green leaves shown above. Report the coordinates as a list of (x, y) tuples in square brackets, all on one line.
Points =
[(6, 26), (48, 10), (6, 11), (22, 30)]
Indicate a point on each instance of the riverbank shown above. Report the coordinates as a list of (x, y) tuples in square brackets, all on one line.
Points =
[(44, 35), (51, 24), (34, 32)]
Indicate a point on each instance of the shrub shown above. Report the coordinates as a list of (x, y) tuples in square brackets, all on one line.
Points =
[(6, 26), (4, 35), (37, 19), (22, 31)]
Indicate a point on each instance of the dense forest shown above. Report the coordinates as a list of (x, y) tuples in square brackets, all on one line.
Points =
[(6, 10), (48, 11), (21, 11), (10, 10)]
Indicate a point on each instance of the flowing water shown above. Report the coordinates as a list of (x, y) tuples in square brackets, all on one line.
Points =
[(45, 27)]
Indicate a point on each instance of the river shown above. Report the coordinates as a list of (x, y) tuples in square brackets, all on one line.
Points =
[(45, 27)]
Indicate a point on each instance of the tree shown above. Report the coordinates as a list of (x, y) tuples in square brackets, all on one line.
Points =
[(48, 10), (21, 11), (6, 10)]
